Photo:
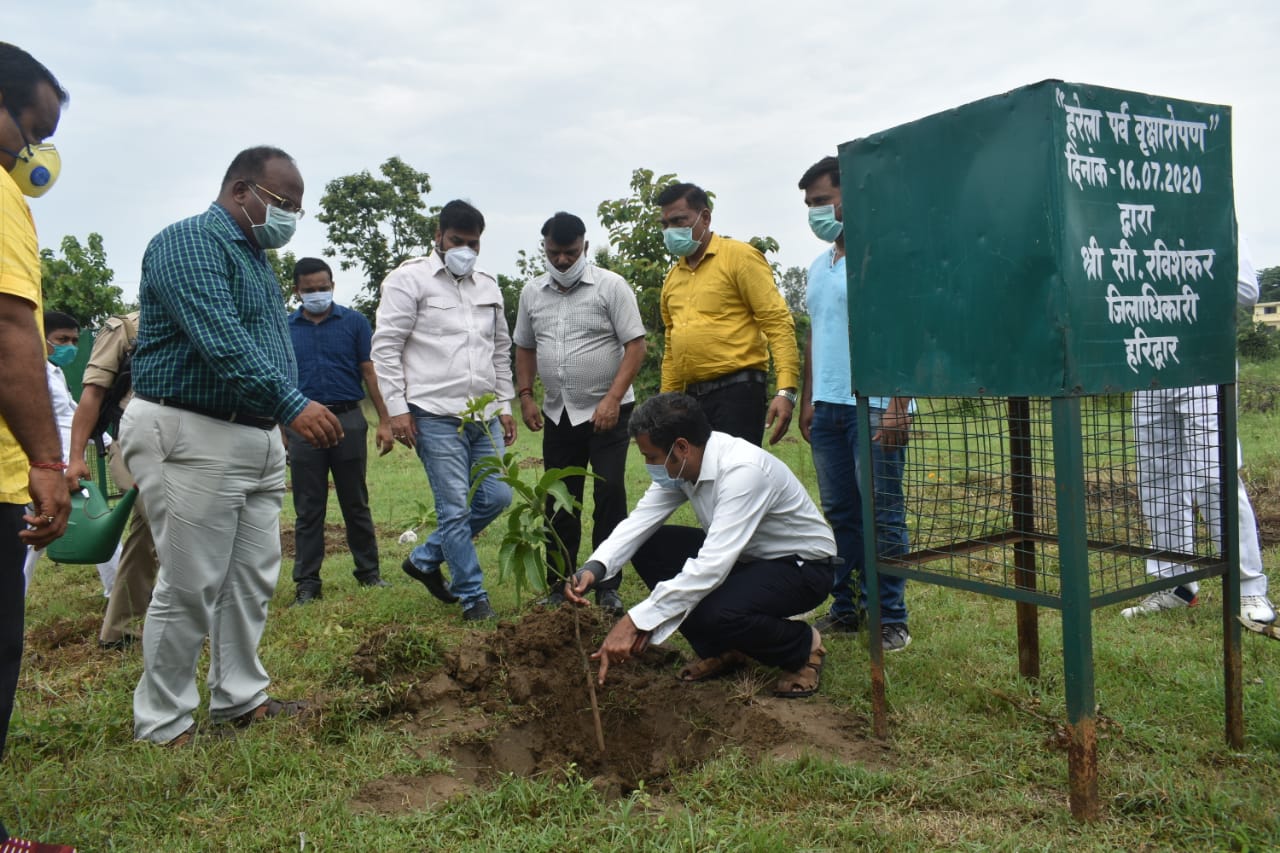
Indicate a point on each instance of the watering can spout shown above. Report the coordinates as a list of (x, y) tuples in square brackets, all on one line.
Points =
[(94, 528)]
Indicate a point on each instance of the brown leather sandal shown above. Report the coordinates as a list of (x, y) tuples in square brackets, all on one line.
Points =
[(713, 667), (183, 739), (799, 684), (269, 708)]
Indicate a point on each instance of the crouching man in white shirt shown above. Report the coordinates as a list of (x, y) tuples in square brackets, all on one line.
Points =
[(762, 553)]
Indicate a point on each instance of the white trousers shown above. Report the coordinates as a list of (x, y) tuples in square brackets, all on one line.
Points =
[(214, 492), (106, 571), (1177, 445)]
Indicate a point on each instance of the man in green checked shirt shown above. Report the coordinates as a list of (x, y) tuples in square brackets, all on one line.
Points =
[(214, 376)]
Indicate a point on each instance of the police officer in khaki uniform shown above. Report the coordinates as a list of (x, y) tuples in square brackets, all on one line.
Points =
[(138, 562)]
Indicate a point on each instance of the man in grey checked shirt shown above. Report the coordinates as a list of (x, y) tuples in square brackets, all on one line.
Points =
[(579, 328), (213, 377)]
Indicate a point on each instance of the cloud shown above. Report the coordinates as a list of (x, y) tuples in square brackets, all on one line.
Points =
[(527, 109)]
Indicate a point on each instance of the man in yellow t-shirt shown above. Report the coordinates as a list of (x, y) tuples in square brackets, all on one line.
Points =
[(723, 315), (31, 463)]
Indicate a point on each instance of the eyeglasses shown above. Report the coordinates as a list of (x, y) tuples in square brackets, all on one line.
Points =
[(285, 205)]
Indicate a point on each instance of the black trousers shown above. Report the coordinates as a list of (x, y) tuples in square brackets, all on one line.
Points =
[(749, 611), (738, 409), (12, 614), (565, 445), (310, 468)]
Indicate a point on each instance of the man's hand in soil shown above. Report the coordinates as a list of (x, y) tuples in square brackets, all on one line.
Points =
[(621, 643), (576, 587)]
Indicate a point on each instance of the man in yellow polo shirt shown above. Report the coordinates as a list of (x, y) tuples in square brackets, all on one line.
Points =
[(723, 315), (31, 463)]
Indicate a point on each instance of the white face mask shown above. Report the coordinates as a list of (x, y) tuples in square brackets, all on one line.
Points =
[(570, 276), (460, 261)]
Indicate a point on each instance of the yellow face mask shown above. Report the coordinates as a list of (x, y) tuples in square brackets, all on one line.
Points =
[(36, 168)]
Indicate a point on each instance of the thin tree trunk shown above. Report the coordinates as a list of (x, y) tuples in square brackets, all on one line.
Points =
[(591, 684)]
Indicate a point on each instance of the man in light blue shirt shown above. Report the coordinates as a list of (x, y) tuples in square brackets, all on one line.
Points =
[(828, 422)]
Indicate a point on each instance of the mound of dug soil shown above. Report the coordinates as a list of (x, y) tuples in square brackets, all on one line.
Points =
[(515, 701)]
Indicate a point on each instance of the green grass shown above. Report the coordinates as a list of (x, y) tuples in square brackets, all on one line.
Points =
[(972, 761)]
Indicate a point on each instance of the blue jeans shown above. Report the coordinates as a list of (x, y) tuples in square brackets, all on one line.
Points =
[(448, 456), (834, 438)]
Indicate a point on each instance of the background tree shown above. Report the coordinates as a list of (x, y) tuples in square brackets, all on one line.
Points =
[(1269, 285), (1258, 341), (529, 265), (375, 224), (79, 282), (636, 251), (282, 266), (793, 284)]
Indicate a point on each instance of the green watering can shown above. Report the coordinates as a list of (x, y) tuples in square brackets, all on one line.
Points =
[(94, 529)]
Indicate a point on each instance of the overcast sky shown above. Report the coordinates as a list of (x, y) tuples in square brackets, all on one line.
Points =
[(525, 108)]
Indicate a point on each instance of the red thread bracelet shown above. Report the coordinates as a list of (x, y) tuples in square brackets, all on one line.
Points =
[(50, 466)]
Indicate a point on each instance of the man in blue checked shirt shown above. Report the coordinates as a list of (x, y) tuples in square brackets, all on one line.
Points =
[(213, 376), (332, 344)]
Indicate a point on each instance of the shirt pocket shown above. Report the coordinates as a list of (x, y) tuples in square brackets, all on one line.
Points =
[(443, 317), (485, 317), (714, 302)]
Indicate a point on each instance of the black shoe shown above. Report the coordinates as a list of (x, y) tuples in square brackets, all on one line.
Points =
[(306, 595), (433, 581), (479, 612), (126, 641), (373, 582), (833, 624), (609, 601)]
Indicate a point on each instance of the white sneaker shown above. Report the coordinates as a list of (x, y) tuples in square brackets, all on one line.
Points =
[(1257, 608), (1165, 599)]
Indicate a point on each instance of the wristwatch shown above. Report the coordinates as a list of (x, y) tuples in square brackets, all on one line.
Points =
[(788, 395)]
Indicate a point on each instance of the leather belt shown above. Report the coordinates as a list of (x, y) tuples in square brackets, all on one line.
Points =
[(696, 388), (239, 418), (824, 561), (339, 408)]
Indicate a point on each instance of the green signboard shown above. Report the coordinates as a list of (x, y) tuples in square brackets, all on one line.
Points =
[(1059, 239)]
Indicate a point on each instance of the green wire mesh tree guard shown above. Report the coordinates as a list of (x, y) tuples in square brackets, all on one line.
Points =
[(1037, 270)]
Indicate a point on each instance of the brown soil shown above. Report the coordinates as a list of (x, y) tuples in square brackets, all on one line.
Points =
[(1266, 505), (514, 701), (335, 540)]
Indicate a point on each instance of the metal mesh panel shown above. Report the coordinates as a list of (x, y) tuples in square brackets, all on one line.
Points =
[(101, 472), (982, 495)]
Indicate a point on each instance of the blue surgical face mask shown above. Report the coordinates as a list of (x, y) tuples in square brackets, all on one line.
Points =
[(277, 230), (823, 223), (63, 354), (680, 241), (660, 475), (317, 302)]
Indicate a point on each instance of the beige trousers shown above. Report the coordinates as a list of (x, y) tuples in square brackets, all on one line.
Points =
[(214, 492)]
